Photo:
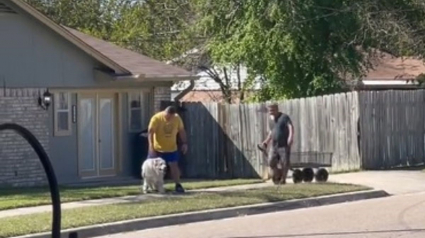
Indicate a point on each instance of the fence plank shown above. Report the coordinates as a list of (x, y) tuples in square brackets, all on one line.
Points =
[(398, 117), (223, 138)]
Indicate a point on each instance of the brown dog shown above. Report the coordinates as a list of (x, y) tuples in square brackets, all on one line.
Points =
[(276, 172)]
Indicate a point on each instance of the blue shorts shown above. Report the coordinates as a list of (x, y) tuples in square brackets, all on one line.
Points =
[(169, 157)]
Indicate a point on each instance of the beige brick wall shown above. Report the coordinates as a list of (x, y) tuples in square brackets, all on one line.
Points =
[(19, 164), (160, 94)]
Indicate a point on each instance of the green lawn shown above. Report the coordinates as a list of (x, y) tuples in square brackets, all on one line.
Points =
[(35, 223), (15, 198)]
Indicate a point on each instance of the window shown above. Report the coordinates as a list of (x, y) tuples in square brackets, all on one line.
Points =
[(140, 108), (62, 118)]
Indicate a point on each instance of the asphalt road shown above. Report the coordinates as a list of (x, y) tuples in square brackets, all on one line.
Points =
[(397, 216)]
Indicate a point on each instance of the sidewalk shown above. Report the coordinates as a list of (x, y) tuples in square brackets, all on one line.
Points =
[(127, 199), (395, 182)]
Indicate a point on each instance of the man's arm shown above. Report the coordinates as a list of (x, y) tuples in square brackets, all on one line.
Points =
[(150, 138), (291, 133), (268, 139), (182, 135), (182, 132), (151, 132)]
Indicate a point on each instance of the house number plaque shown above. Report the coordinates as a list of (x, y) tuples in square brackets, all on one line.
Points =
[(74, 114)]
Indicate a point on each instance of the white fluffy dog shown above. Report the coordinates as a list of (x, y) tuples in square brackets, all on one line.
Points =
[(153, 171)]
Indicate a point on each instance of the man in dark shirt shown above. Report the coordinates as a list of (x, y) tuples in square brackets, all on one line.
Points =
[(282, 136)]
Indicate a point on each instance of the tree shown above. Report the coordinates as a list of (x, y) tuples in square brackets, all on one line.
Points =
[(87, 15), (158, 29), (307, 47), (161, 29), (233, 85)]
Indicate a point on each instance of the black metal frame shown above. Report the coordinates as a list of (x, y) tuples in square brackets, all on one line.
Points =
[(315, 159), (50, 173), (309, 163)]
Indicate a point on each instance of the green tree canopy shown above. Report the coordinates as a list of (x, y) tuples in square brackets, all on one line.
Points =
[(298, 47), (306, 47)]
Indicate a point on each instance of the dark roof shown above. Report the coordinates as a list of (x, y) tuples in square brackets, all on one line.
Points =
[(135, 63), (122, 61)]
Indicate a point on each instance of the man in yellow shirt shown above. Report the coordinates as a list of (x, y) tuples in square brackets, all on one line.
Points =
[(163, 129)]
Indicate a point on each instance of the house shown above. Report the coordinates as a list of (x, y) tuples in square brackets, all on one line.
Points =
[(206, 89), (102, 97), (388, 72), (391, 73)]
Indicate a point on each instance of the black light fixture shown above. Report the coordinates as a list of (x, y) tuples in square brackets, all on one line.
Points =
[(46, 100)]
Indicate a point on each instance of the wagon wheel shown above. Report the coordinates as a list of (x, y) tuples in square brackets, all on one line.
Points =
[(308, 175), (297, 176), (322, 175)]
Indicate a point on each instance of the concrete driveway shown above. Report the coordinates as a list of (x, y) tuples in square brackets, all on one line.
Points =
[(393, 182)]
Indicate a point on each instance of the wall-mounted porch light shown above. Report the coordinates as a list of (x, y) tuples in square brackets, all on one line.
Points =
[(45, 100)]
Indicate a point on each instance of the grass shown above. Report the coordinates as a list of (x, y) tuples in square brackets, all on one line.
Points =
[(16, 198), (35, 223)]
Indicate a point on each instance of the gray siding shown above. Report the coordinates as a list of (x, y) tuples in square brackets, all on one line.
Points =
[(64, 150), (34, 56), (20, 166), (132, 143), (127, 138)]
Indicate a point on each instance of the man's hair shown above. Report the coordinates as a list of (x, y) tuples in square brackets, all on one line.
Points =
[(273, 105), (171, 110)]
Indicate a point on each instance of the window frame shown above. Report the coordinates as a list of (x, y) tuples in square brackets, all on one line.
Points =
[(56, 112), (146, 99)]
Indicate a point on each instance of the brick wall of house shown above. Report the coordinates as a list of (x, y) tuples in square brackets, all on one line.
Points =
[(19, 165), (160, 94)]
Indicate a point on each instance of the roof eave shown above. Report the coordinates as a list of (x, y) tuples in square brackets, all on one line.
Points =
[(70, 37), (162, 78), (389, 81)]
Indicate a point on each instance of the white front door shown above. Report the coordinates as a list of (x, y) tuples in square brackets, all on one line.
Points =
[(97, 135)]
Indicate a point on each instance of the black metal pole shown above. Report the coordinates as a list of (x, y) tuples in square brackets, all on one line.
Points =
[(51, 177)]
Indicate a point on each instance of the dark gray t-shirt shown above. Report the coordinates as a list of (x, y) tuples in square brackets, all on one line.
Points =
[(280, 131)]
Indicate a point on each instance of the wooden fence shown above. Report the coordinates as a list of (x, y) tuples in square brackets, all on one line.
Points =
[(223, 138), (393, 128), (369, 130)]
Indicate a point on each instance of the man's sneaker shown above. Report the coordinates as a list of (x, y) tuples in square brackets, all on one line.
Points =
[(179, 188)]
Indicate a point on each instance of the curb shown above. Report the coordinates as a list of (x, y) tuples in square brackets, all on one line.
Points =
[(215, 214)]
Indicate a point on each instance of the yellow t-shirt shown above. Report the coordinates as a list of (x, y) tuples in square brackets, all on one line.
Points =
[(165, 132)]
